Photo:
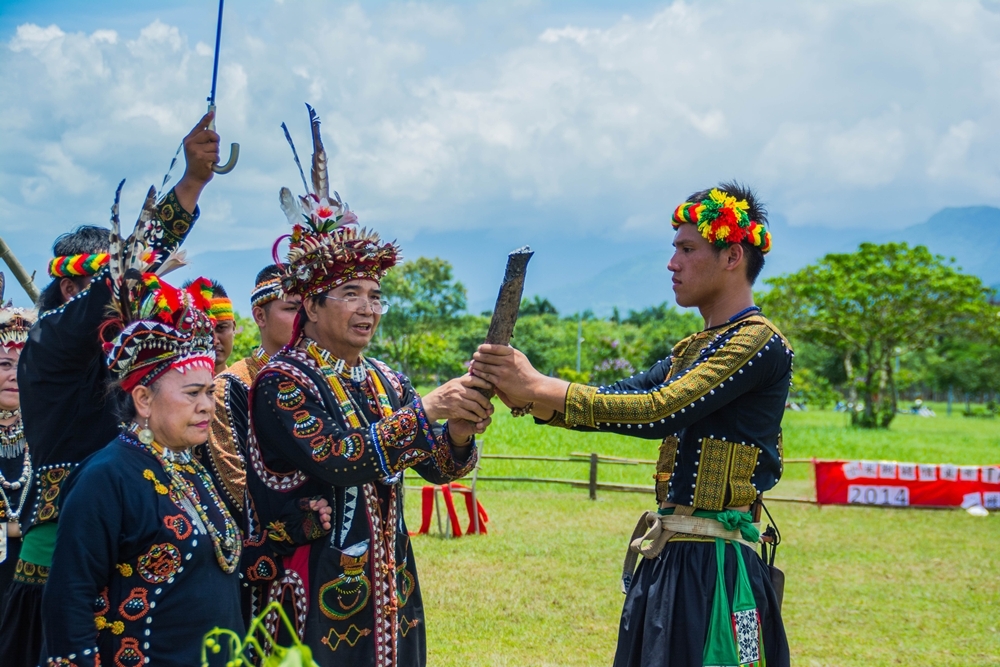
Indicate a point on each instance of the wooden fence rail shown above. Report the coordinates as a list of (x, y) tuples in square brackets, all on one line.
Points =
[(592, 485)]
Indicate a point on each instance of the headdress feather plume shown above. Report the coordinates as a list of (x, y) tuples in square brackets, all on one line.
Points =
[(290, 205), (320, 178), (295, 154)]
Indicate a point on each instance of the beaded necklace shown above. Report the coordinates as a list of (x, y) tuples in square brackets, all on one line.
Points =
[(9, 414), (228, 547), (333, 371), (12, 440), (261, 355), (12, 444)]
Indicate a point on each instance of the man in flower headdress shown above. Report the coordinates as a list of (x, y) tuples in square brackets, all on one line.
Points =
[(701, 595), (328, 420), (15, 459), (67, 410)]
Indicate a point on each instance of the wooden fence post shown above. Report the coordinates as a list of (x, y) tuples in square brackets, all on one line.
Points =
[(593, 476)]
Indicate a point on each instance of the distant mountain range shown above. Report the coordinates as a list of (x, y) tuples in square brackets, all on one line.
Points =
[(627, 270), (970, 235)]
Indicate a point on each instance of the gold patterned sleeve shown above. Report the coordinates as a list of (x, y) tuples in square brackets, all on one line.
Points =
[(729, 367)]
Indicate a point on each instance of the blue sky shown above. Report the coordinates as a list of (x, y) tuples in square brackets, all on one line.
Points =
[(466, 130)]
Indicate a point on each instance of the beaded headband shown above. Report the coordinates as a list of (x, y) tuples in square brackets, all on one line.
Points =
[(326, 248), (66, 266), (266, 291), (723, 221)]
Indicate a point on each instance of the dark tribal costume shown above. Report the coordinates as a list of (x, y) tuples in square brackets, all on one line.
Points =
[(15, 458), (138, 562), (68, 414), (702, 596), (146, 549), (320, 428)]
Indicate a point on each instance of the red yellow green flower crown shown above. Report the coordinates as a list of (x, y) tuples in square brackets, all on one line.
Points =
[(326, 249), (723, 220)]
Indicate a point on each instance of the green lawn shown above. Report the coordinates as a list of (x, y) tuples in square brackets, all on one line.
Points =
[(864, 586)]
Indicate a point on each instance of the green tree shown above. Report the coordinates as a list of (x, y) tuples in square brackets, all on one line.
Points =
[(537, 306), (247, 338), (425, 304), (872, 305)]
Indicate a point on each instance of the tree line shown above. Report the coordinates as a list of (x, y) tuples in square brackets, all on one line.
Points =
[(868, 327)]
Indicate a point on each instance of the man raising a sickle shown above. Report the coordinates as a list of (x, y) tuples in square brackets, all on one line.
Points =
[(700, 596), (66, 405)]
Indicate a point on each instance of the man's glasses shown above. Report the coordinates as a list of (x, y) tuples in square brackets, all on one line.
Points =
[(378, 305)]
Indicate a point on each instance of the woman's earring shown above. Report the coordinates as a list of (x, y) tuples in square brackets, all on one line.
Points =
[(146, 436)]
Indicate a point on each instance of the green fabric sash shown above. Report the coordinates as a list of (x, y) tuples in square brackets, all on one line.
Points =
[(734, 635), (39, 543)]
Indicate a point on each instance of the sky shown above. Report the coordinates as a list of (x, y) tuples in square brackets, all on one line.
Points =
[(467, 130)]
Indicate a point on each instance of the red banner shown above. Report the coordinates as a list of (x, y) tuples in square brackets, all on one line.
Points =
[(905, 484)]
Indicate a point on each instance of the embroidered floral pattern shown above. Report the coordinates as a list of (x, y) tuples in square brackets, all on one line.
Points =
[(128, 654), (179, 525), (290, 397), (306, 424), (347, 594), (398, 430), (160, 563), (135, 606), (262, 570)]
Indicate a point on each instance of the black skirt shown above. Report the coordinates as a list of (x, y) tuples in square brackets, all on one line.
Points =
[(21, 625), (665, 619)]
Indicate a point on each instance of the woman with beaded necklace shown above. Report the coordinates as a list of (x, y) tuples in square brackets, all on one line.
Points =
[(15, 462), (143, 531)]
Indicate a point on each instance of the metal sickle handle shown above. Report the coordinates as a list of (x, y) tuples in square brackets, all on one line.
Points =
[(234, 151), (234, 155)]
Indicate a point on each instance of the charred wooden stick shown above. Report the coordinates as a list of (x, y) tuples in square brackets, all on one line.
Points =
[(508, 301), (19, 272)]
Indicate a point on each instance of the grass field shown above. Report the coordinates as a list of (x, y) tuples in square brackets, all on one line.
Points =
[(865, 586)]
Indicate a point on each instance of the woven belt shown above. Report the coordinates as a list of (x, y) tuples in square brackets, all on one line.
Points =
[(653, 532)]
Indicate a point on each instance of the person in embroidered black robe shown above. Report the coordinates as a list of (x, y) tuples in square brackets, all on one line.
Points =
[(133, 561), (716, 406), (67, 409), (326, 420), (146, 549)]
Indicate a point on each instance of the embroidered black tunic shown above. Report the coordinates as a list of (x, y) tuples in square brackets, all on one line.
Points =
[(132, 569), (716, 405), (355, 591)]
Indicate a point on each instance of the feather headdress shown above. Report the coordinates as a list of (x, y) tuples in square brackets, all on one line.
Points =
[(326, 248), (14, 322), (134, 257), (154, 326)]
